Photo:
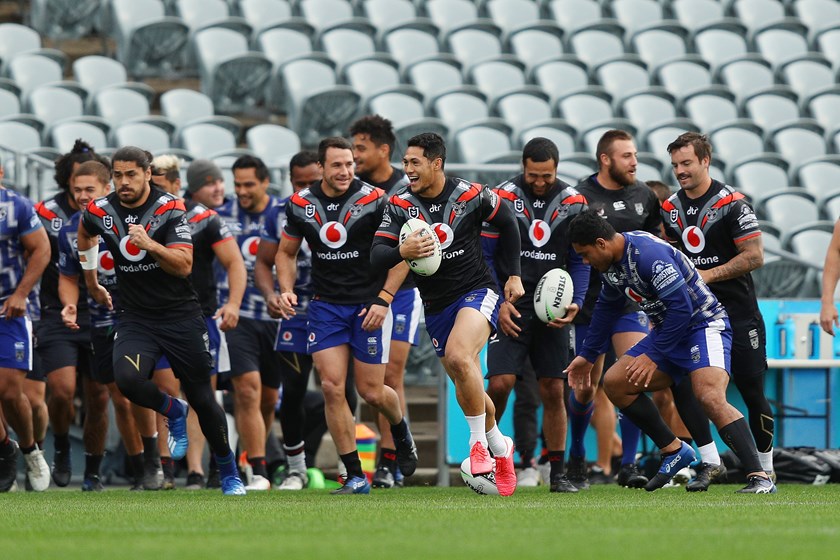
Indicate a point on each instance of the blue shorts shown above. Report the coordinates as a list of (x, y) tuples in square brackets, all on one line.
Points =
[(406, 309), (484, 300), (708, 345), (16, 343), (333, 324), (218, 346), (292, 335), (636, 321)]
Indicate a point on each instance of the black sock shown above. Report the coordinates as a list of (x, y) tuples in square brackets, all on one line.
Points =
[(6, 447), (28, 450), (40, 444), (136, 464), (212, 466), (739, 439), (168, 465), (645, 415), (556, 459), (692, 413), (399, 431), (388, 458), (62, 442), (353, 464), (258, 466), (92, 464), (527, 458), (150, 448)]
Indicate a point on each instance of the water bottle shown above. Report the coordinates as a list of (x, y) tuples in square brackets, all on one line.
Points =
[(836, 344), (785, 337), (814, 335)]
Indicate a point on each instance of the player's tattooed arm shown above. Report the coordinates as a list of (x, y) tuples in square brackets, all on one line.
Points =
[(750, 257)]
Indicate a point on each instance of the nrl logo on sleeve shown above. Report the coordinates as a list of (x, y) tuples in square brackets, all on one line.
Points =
[(674, 214), (518, 205), (107, 221), (56, 224), (413, 212), (310, 210)]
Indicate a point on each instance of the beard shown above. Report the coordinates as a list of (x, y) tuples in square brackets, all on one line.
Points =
[(623, 179)]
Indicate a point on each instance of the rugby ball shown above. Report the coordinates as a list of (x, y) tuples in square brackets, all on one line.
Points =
[(484, 484), (553, 295), (425, 266)]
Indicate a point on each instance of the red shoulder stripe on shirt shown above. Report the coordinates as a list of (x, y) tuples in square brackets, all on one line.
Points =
[(203, 216), (367, 199), (171, 205), (471, 193), (298, 200), (401, 202), (574, 199), (668, 206), (95, 210), (728, 200), (45, 212)]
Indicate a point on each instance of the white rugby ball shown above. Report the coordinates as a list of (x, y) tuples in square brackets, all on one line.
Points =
[(553, 295), (484, 484), (425, 266)]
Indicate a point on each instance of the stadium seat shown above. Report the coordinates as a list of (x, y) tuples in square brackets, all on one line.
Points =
[(807, 74), (328, 14), (598, 42), (710, 107), (682, 76), (148, 136), (202, 14), (827, 41), (576, 167), (280, 45), (461, 108), (472, 45), (149, 43), (656, 139), (495, 78), (745, 75), (408, 45), (659, 43), (648, 167), (756, 14), (587, 138), (622, 76), (274, 144), (64, 19), (522, 110), (9, 104), (369, 77), (720, 42), (559, 77), (824, 107), (809, 241), (317, 106), (118, 105), (16, 39), (263, 15), (694, 14), (64, 135), (205, 140), (52, 105), (817, 14), (738, 140), (510, 15), (647, 109), (819, 176), (780, 42), (485, 145), (19, 136), (586, 107), (575, 14), (798, 141), (788, 208), (184, 107), (759, 176), (345, 45), (31, 70), (635, 14), (562, 136), (95, 73), (453, 14), (535, 45), (771, 108), (388, 14), (432, 77), (231, 75), (830, 206)]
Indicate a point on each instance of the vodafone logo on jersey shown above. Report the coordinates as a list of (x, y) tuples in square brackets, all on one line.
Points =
[(333, 235), (130, 251), (693, 239), (106, 263), (445, 235), (249, 248), (632, 294), (539, 232)]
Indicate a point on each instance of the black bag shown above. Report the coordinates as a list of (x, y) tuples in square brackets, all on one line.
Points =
[(832, 458), (799, 464)]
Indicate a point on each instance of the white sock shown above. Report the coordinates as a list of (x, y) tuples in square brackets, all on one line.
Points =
[(766, 460), (297, 462), (709, 454), (496, 441), (476, 424)]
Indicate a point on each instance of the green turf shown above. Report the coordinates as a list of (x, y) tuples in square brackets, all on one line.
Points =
[(429, 523)]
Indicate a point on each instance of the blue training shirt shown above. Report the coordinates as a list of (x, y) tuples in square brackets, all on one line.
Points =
[(272, 231), (17, 219), (664, 282)]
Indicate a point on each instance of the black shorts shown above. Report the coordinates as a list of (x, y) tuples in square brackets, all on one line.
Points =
[(547, 347), (251, 348), (749, 348), (185, 344), (102, 339), (58, 347)]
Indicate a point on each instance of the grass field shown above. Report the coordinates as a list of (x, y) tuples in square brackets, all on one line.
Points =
[(429, 523)]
